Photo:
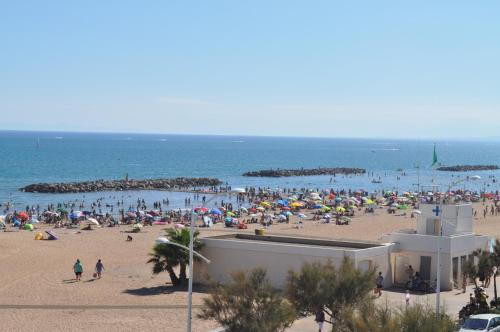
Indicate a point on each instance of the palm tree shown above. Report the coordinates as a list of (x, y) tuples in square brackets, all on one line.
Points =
[(166, 257)]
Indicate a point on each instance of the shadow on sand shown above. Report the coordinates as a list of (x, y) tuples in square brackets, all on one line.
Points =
[(157, 290), (165, 289)]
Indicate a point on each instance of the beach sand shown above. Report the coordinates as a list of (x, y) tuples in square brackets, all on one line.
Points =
[(37, 275)]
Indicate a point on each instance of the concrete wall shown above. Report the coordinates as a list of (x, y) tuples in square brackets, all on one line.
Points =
[(228, 255), (414, 246), (457, 218)]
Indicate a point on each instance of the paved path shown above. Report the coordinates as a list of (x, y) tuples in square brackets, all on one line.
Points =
[(92, 307), (452, 301)]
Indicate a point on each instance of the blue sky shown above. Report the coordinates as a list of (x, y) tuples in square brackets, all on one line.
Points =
[(289, 68)]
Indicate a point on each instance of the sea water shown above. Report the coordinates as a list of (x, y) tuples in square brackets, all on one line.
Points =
[(33, 157)]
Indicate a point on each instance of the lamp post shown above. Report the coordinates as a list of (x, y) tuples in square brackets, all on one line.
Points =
[(439, 211), (164, 240), (194, 216), (495, 270)]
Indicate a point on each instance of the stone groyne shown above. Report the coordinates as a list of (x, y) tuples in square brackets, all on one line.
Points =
[(276, 173), (468, 168), (120, 185)]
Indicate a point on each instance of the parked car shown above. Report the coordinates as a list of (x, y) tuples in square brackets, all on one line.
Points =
[(483, 322)]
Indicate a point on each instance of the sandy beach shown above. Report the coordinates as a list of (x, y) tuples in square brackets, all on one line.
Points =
[(38, 292)]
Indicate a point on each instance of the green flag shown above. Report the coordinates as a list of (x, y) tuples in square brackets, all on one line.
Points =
[(434, 157)]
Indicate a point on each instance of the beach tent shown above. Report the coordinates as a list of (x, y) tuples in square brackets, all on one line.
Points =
[(52, 235), (92, 221)]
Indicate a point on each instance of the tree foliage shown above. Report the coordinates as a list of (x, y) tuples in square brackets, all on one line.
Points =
[(248, 304), (166, 257), (335, 290)]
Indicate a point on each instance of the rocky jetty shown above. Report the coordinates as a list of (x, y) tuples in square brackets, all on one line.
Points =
[(468, 168), (276, 173), (120, 185)]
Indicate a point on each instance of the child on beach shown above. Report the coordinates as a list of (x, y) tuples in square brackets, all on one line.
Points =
[(99, 267), (78, 269)]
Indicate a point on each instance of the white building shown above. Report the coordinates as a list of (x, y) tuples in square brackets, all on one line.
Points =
[(418, 248), (279, 254)]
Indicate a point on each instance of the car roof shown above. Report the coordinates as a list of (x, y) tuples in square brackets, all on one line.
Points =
[(485, 316)]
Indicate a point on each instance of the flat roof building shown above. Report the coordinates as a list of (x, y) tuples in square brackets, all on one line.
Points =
[(392, 256)]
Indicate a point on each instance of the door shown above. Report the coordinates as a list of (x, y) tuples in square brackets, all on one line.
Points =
[(402, 263), (455, 269), (425, 267)]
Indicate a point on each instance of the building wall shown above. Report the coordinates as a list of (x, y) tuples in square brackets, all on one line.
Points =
[(278, 258)]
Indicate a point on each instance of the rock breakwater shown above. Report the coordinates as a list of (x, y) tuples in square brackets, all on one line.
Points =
[(120, 185), (276, 173), (468, 168)]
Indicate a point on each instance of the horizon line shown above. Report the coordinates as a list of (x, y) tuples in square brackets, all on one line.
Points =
[(424, 138)]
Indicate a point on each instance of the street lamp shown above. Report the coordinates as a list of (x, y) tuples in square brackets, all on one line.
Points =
[(495, 270), (440, 211), (194, 216)]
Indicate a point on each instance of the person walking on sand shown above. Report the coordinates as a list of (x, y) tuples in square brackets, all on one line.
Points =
[(78, 269), (320, 319), (99, 267), (379, 282)]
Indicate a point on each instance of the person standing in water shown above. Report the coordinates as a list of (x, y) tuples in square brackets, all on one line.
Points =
[(78, 269), (99, 267)]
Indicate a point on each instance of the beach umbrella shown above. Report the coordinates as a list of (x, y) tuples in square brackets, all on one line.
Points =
[(265, 204), (132, 215), (282, 217), (201, 209), (285, 208), (340, 209), (325, 209), (23, 216), (301, 215), (317, 206), (230, 214), (228, 219), (242, 209), (288, 213), (260, 208), (29, 227), (216, 211), (254, 215), (34, 221)]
